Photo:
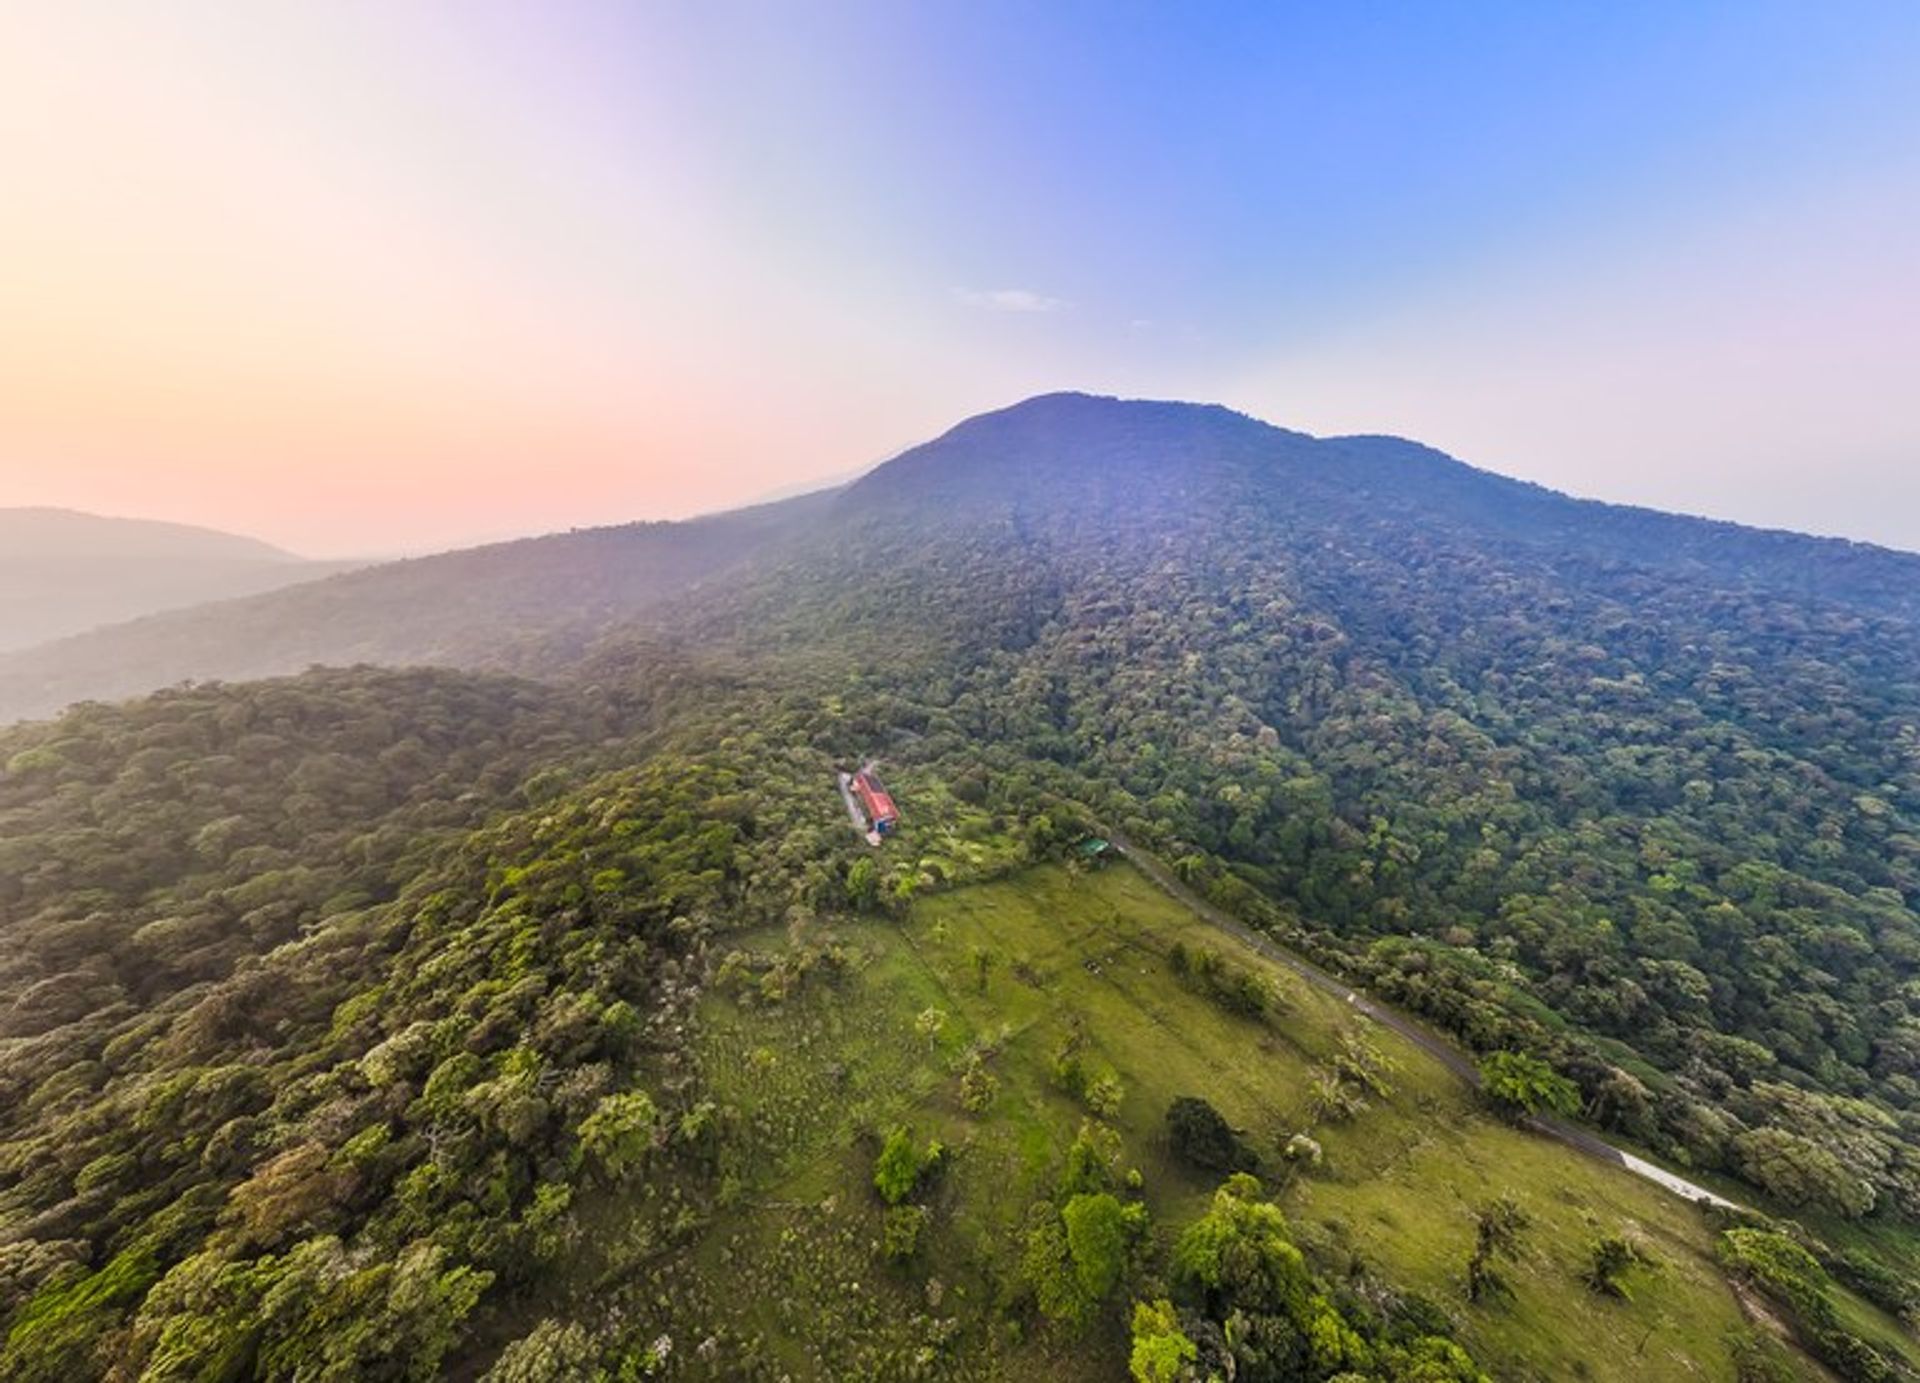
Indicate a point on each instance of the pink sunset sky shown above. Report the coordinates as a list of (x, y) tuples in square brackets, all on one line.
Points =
[(365, 278)]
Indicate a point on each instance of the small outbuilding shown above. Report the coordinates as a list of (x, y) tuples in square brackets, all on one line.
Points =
[(1094, 849), (882, 816)]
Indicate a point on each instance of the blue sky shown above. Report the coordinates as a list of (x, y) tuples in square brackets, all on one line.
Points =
[(644, 259)]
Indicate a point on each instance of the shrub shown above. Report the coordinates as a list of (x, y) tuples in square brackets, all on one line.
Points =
[(1609, 1259), (1201, 1137), (900, 1166), (1161, 1350), (902, 1231), (1518, 1084), (978, 1086)]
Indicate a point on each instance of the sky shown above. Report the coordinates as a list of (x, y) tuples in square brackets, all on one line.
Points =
[(379, 276)]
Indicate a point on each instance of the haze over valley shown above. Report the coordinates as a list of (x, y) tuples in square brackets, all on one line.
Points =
[(63, 572)]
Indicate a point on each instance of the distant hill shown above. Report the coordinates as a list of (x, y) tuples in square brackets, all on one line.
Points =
[(43, 532), (63, 572), (530, 605)]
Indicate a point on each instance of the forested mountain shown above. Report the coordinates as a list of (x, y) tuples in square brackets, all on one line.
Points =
[(63, 572), (1171, 459), (526, 604), (1634, 780), (375, 1023)]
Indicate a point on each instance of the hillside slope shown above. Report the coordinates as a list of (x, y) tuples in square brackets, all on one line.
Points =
[(1605, 785), (1082, 963), (63, 572), (527, 604)]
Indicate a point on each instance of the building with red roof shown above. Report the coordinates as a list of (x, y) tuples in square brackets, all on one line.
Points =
[(875, 802)]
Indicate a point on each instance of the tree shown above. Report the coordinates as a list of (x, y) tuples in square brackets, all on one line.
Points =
[(1518, 1084), (863, 883), (1046, 1267), (1608, 1260), (552, 1352), (284, 1194), (978, 1085), (1622, 1102), (1794, 1279), (897, 1168), (330, 1315), (1100, 1231), (1104, 1094), (1332, 1097), (1161, 1350), (1092, 1160), (1075, 1255), (1240, 1255), (1200, 1136), (1497, 1228), (1252, 1308), (619, 1133), (1800, 1172), (900, 1166), (1360, 1061)]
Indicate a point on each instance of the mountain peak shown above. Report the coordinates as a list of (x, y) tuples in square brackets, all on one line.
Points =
[(1078, 407), (1100, 439)]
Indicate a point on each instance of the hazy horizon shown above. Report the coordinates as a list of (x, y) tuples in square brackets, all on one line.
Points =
[(405, 550), (363, 281)]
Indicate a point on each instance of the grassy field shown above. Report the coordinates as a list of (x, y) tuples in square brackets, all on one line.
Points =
[(809, 1081)]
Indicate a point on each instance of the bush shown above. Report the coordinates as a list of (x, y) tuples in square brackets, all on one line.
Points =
[(1161, 1350), (1609, 1259), (1201, 1137), (902, 1230), (1518, 1085), (900, 1166), (978, 1086)]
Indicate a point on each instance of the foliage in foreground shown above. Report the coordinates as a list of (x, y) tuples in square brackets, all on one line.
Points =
[(1249, 1306), (330, 1152)]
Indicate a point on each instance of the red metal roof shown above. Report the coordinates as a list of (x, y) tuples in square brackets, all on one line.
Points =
[(879, 806)]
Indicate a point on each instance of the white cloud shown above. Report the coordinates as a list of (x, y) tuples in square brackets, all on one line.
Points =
[(1008, 299)]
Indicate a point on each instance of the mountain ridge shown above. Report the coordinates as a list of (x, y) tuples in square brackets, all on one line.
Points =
[(532, 605), (501, 605), (35, 530), (65, 571)]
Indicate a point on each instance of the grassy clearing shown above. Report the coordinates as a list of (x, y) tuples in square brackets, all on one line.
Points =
[(793, 1273)]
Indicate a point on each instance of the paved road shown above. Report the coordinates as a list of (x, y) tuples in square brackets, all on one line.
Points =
[(1423, 1037)]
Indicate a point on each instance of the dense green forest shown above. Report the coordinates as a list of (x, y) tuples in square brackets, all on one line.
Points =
[(1660, 830), (344, 1018)]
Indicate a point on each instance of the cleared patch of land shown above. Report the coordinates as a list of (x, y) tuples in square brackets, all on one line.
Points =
[(794, 1272)]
